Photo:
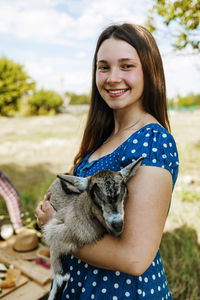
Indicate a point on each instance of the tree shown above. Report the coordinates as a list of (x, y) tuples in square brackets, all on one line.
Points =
[(186, 15), (44, 102), (14, 83), (78, 98)]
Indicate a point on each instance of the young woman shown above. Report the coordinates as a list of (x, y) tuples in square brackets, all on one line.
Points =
[(127, 119)]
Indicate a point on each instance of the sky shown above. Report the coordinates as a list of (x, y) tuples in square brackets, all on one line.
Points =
[(55, 41)]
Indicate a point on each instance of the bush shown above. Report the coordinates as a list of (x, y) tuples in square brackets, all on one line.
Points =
[(181, 259), (189, 195), (171, 103), (190, 100), (76, 99), (44, 103), (14, 84)]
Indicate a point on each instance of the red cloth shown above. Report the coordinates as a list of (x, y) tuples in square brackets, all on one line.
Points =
[(11, 196)]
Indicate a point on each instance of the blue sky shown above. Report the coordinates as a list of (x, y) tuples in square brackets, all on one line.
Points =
[(55, 41)]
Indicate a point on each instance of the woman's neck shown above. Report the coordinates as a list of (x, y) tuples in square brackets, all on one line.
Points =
[(127, 119)]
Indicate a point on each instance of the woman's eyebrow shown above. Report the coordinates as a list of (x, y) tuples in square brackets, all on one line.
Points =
[(102, 61), (127, 58), (120, 60)]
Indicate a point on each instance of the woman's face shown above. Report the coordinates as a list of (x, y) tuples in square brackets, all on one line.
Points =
[(119, 75)]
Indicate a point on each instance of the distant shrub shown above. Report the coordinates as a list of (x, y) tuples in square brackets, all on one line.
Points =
[(76, 99), (197, 144), (181, 259), (14, 84), (189, 195), (171, 102), (44, 102), (189, 101)]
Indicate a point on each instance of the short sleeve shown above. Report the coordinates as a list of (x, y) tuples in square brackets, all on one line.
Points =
[(158, 148)]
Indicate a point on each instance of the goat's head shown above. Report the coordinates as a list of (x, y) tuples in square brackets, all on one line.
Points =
[(107, 189)]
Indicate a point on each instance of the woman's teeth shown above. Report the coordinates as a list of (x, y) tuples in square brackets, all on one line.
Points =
[(117, 91)]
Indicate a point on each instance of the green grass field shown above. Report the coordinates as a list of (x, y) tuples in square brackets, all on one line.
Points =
[(33, 150)]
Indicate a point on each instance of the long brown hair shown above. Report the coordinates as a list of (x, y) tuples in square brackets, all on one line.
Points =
[(100, 121)]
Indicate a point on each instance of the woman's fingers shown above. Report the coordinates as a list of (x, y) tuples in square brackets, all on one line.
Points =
[(44, 211)]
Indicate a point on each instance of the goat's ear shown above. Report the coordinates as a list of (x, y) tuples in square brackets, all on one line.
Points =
[(130, 170), (79, 182)]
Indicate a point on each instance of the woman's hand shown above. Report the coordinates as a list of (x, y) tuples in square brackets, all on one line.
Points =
[(44, 211)]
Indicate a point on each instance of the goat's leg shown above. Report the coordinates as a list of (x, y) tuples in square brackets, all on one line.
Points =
[(60, 274)]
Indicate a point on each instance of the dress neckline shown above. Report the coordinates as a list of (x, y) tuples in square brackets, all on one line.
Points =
[(134, 133)]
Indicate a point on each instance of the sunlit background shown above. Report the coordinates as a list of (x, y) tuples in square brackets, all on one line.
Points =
[(55, 41)]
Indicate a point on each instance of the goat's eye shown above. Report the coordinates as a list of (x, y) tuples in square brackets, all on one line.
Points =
[(96, 195), (123, 188), (95, 191)]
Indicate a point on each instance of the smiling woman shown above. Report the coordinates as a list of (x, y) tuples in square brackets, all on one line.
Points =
[(127, 119), (119, 74)]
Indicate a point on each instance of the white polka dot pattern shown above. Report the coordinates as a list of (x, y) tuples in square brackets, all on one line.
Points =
[(158, 148), (100, 283)]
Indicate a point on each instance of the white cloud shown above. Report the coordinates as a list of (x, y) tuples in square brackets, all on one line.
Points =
[(99, 14), (182, 74), (34, 22), (63, 34), (41, 21), (59, 73)]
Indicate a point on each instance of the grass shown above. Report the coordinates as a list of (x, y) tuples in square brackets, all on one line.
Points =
[(180, 250), (33, 150)]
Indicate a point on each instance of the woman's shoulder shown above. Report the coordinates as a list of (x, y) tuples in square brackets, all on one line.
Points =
[(148, 135), (156, 145)]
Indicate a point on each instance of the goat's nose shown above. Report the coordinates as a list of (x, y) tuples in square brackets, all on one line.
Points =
[(117, 227)]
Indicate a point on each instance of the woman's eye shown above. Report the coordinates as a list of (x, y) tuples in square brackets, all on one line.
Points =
[(127, 66), (103, 68)]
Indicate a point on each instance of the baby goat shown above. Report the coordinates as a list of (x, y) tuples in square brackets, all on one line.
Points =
[(85, 209)]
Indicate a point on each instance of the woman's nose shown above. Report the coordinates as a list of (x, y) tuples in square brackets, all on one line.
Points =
[(114, 76)]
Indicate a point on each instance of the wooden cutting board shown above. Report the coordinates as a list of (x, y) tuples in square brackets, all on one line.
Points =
[(29, 268), (22, 280)]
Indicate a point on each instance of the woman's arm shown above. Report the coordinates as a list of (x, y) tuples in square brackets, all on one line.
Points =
[(145, 215)]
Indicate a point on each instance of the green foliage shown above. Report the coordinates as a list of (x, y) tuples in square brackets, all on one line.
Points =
[(3, 209), (188, 195), (44, 103), (185, 13), (14, 83), (180, 251), (197, 145), (29, 198), (188, 101), (171, 103), (78, 99)]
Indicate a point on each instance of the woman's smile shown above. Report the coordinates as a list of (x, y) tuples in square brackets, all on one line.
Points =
[(116, 92)]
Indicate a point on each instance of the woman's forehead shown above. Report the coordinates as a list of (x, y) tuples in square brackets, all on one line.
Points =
[(116, 49)]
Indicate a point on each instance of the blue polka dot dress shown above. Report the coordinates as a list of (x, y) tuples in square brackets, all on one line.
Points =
[(158, 148)]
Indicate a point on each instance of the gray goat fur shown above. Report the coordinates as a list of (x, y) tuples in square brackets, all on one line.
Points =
[(85, 209)]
